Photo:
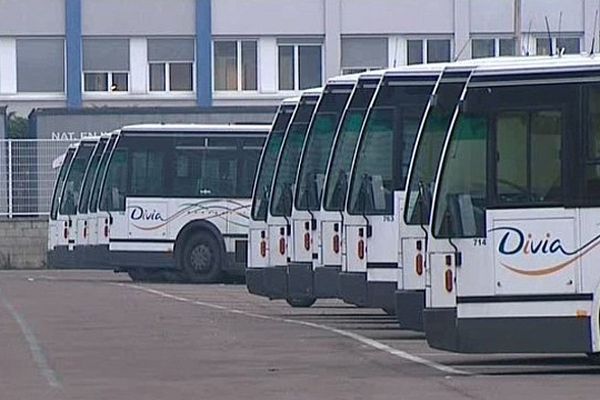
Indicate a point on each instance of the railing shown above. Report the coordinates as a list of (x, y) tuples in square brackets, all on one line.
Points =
[(27, 175)]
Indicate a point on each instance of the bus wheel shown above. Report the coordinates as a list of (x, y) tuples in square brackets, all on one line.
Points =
[(301, 302), (201, 259)]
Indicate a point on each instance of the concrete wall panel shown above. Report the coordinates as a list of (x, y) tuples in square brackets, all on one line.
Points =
[(535, 11), (268, 17), (32, 17), (138, 17), (407, 16), (496, 19)]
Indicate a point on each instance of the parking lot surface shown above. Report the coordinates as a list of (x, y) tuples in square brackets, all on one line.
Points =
[(97, 335)]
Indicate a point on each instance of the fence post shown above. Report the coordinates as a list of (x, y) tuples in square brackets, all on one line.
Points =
[(10, 180)]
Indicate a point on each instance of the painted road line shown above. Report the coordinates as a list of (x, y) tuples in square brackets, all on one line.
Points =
[(340, 332), (34, 346)]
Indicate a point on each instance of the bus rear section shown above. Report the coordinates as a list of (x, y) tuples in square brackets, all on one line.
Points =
[(66, 213), (513, 253), (376, 189), (330, 221), (282, 197), (179, 200), (309, 184), (258, 242), (55, 229)]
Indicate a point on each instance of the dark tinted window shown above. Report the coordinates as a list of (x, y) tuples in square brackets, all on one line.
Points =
[(72, 187), (60, 180), (90, 174), (99, 178)]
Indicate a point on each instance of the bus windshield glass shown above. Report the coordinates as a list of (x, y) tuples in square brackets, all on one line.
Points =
[(72, 186), (266, 167), (386, 144), (429, 147), (60, 180), (100, 172), (90, 174), (282, 195), (336, 185), (318, 146)]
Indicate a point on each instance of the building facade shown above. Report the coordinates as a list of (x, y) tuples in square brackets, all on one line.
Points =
[(94, 53)]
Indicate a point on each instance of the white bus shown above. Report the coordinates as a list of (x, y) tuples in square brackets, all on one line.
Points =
[(178, 198), (275, 274), (63, 228), (258, 249), (55, 229), (329, 233), (514, 221), (376, 190), (310, 178)]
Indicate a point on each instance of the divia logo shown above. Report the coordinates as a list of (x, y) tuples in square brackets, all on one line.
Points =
[(142, 214), (515, 242)]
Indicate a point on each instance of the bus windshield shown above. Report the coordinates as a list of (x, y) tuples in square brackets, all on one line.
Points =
[(72, 186), (429, 147), (89, 176), (336, 185), (100, 172), (266, 167), (281, 197), (318, 147), (385, 146), (60, 180)]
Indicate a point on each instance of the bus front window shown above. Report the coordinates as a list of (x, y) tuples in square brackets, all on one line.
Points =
[(72, 186)]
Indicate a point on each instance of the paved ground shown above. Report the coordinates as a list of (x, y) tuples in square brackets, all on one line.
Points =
[(95, 335)]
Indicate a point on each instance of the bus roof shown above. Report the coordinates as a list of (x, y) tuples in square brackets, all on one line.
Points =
[(196, 128), (290, 100)]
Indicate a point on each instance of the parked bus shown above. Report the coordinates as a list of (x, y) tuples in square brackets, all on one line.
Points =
[(65, 211), (178, 197), (91, 244), (258, 249), (310, 178), (275, 274), (376, 188), (329, 220), (54, 227), (514, 221)]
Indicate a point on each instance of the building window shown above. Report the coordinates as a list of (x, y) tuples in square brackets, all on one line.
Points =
[(492, 47), (419, 51), (171, 65), (300, 66), (105, 65), (566, 45), (40, 65), (364, 54), (236, 65)]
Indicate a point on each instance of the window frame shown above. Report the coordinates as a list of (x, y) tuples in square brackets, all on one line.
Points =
[(296, 46), (425, 46), (167, 78), (239, 66), (496, 40), (109, 81), (554, 38)]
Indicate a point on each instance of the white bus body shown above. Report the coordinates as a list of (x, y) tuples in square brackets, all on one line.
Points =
[(258, 242), (179, 199), (310, 179), (281, 200), (514, 222)]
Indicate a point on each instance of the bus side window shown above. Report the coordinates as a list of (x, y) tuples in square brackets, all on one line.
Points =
[(592, 148)]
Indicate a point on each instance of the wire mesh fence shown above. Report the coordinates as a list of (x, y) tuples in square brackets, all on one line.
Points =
[(27, 175)]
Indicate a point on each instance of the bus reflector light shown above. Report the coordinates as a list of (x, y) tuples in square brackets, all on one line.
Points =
[(419, 264), (307, 241), (336, 244), (263, 248), (448, 260), (66, 233), (449, 279), (361, 249), (85, 232), (106, 231), (281, 246)]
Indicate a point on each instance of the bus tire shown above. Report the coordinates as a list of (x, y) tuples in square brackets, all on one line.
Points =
[(301, 302), (201, 259)]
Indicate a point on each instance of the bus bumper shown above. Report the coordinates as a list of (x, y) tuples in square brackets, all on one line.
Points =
[(409, 309), (381, 295), (255, 281), (300, 281), (353, 288), (98, 256), (275, 282), (506, 334), (141, 259), (327, 282), (61, 257)]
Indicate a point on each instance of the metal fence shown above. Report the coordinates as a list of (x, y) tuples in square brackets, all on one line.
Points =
[(27, 175)]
